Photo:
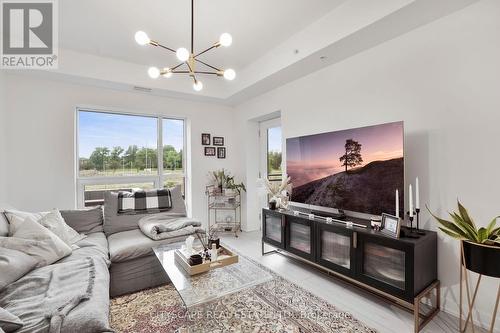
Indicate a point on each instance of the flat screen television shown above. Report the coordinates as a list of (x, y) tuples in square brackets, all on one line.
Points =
[(355, 170)]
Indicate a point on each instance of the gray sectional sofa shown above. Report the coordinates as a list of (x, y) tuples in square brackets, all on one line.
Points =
[(114, 259)]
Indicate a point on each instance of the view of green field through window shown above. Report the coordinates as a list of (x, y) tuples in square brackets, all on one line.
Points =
[(125, 146)]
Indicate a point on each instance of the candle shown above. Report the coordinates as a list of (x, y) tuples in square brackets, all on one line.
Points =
[(417, 195), (397, 203), (411, 201)]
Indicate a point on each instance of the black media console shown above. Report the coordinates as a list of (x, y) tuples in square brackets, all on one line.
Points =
[(403, 271)]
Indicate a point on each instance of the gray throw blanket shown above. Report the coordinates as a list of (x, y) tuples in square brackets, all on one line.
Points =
[(144, 202), (163, 226), (60, 298)]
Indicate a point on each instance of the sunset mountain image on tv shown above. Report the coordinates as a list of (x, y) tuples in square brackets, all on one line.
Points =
[(356, 170)]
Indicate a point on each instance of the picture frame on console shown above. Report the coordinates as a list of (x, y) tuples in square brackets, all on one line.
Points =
[(391, 225)]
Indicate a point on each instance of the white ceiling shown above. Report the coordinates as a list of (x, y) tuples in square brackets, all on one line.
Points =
[(274, 41), (107, 28)]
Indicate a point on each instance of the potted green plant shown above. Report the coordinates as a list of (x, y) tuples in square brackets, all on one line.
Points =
[(481, 246), (225, 182), (233, 187), (219, 179)]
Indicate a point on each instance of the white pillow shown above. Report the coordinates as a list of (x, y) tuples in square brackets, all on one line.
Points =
[(17, 217), (55, 223), (37, 241)]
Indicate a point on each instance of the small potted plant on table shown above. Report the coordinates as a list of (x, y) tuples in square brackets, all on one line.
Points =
[(213, 237)]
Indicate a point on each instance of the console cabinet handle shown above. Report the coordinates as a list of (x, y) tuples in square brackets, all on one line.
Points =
[(355, 240)]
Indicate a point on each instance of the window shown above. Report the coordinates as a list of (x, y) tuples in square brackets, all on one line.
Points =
[(121, 152), (274, 154), (173, 153)]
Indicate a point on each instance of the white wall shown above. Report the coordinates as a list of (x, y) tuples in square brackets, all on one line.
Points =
[(40, 128), (3, 128), (443, 80)]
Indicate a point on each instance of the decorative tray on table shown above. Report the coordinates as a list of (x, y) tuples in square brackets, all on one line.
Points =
[(225, 257)]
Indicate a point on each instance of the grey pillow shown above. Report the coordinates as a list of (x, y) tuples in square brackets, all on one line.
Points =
[(114, 222), (9, 322), (14, 264), (37, 241), (84, 221)]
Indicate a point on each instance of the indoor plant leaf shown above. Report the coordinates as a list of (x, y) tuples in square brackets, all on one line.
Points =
[(491, 226), (451, 234), (451, 226), (447, 224), (468, 229), (465, 215), (482, 234)]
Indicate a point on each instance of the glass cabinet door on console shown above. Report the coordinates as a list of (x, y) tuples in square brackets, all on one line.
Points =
[(386, 265), (273, 231), (299, 237), (335, 248)]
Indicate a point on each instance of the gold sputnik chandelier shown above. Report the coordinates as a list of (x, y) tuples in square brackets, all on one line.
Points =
[(189, 59)]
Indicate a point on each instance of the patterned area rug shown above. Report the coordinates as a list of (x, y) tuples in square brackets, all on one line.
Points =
[(274, 306)]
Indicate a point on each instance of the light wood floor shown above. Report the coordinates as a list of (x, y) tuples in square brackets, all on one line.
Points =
[(371, 310)]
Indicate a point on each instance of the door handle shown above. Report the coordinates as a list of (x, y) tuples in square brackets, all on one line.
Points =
[(355, 240)]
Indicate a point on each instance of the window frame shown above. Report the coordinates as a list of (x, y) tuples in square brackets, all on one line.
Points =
[(158, 180), (264, 127)]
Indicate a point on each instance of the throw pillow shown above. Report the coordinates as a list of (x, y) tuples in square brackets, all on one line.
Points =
[(4, 224), (114, 222), (9, 322), (55, 223), (14, 265), (17, 217), (85, 221), (37, 241)]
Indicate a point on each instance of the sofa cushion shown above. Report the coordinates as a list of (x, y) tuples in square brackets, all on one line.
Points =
[(84, 221), (136, 274), (94, 245), (9, 322), (37, 241), (114, 222), (14, 264), (55, 223), (131, 244)]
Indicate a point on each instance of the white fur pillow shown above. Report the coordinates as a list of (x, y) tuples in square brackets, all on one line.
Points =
[(37, 241), (55, 223)]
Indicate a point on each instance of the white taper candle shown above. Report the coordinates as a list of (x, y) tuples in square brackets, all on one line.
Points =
[(411, 201), (417, 195), (397, 203)]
